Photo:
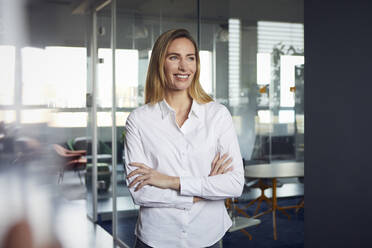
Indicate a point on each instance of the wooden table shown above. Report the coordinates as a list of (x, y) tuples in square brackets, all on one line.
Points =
[(274, 171)]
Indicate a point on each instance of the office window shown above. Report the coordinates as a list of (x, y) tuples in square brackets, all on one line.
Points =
[(68, 119), (126, 77), (127, 72), (269, 34), (263, 68), (34, 71), (54, 76), (234, 61), (66, 76), (33, 116), (287, 79), (264, 116), (280, 50), (286, 116), (7, 65), (206, 71), (7, 116)]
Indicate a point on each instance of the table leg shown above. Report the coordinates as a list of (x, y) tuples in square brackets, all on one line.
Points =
[(274, 207)]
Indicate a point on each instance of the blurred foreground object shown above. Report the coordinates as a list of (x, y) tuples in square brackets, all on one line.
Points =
[(20, 236)]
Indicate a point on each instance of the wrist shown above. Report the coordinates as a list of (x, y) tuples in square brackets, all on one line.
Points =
[(175, 183)]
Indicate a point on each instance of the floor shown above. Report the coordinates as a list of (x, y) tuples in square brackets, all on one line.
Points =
[(74, 229), (81, 232)]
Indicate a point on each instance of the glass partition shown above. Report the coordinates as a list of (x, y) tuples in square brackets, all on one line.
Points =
[(99, 166), (253, 73), (252, 62), (138, 26)]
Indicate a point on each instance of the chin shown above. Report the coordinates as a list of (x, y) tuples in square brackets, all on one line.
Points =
[(184, 87), (180, 86)]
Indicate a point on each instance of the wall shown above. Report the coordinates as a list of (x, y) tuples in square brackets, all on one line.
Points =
[(338, 104)]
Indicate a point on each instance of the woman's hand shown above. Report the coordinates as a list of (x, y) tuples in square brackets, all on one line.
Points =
[(149, 176), (220, 166)]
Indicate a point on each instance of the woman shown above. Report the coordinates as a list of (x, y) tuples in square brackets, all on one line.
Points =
[(172, 150)]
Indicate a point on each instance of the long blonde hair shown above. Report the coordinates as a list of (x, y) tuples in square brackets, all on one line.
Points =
[(156, 80)]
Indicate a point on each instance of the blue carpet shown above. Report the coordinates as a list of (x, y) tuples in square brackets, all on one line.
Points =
[(290, 233)]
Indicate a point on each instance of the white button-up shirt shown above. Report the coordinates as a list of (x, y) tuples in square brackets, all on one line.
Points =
[(168, 218)]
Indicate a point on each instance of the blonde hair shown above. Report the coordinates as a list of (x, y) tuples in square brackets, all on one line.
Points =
[(156, 80)]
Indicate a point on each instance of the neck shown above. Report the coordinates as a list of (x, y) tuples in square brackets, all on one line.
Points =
[(180, 101)]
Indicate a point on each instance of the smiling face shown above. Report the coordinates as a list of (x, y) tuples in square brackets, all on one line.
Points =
[(180, 64)]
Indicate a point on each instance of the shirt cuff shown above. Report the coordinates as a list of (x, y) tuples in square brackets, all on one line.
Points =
[(191, 186), (186, 202)]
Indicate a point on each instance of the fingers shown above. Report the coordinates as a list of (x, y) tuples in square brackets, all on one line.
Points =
[(214, 162), (217, 165), (223, 167), (137, 171), (231, 168), (143, 172), (140, 165), (138, 179), (143, 183)]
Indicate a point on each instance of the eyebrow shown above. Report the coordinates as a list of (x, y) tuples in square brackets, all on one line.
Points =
[(189, 54)]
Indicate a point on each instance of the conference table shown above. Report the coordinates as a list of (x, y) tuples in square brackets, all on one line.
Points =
[(274, 171)]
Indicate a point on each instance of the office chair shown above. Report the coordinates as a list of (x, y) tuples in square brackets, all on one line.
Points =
[(239, 222), (71, 160)]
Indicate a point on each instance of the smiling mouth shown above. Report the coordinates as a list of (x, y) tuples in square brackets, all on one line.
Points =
[(182, 76)]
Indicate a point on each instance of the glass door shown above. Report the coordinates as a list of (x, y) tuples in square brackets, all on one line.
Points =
[(99, 101)]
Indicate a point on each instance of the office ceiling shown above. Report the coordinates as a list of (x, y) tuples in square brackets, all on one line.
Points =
[(211, 10)]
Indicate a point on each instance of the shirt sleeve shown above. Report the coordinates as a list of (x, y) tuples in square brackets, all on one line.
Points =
[(148, 196), (224, 185)]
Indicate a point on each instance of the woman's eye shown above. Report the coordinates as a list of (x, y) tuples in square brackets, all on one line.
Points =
[(173, 57), (191, 58)]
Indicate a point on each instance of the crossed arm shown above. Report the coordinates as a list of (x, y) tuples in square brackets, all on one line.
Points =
[(149, 176), (154, 189)]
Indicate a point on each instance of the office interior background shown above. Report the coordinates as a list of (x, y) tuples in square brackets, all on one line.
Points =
[(60, 85)]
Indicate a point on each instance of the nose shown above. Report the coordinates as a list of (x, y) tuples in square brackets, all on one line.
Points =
[(182, 65)]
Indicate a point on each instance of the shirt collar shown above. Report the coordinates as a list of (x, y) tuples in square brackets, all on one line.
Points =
[(165, 108), (196, 109)]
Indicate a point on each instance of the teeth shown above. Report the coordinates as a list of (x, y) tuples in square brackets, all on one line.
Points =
[(182, 76)]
